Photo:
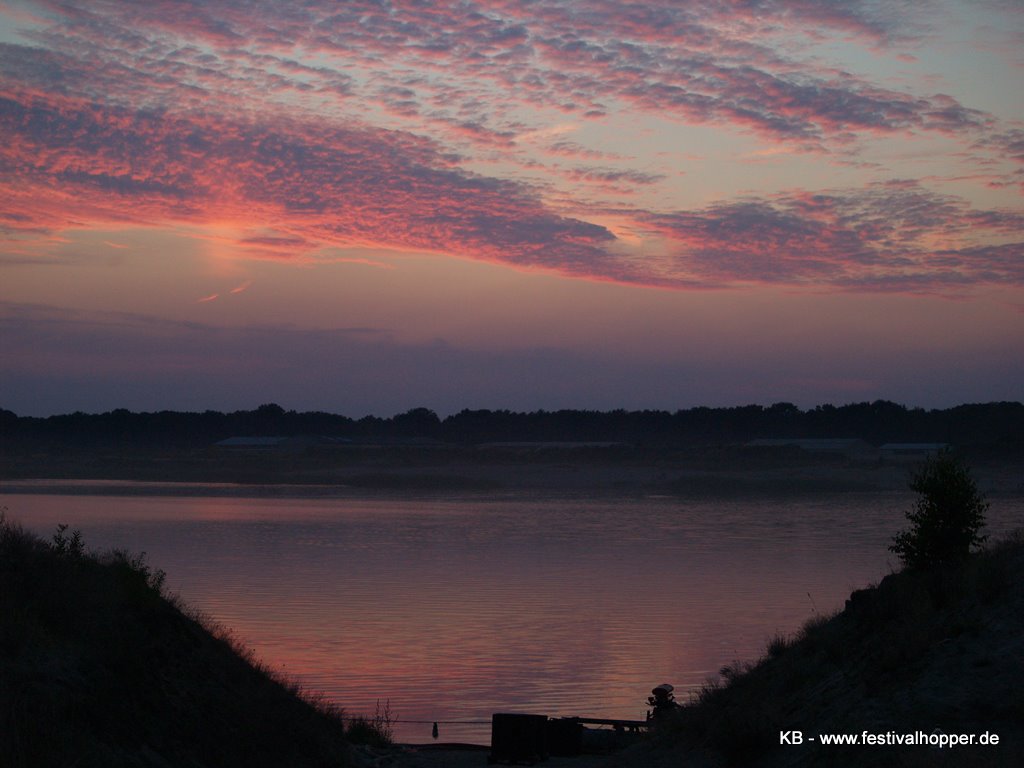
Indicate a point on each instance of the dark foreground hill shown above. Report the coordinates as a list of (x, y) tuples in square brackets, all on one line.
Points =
[(99, 669), (921, 654)]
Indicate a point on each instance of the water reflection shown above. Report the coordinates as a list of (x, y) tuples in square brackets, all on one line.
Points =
[(453, 610)]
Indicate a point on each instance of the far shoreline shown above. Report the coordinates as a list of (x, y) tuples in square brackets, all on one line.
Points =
[(425, 486), (557, 483), (699, 472)]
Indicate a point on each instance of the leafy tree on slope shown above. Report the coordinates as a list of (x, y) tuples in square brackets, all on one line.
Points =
[(947, 516)]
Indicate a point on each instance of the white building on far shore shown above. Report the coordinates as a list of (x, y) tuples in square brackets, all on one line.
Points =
[(910, 451)]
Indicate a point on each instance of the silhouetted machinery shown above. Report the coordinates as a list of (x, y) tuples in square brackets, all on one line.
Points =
[(517, 738), (528, 739), (662, 702)]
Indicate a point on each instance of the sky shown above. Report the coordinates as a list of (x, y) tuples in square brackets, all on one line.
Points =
[(365, 207)]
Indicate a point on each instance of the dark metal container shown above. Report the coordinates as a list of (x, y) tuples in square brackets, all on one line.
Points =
[(565, 736), (518, 738)]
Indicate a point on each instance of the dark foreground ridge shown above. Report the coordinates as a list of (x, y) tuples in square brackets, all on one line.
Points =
[(939, 652), (98, 668)]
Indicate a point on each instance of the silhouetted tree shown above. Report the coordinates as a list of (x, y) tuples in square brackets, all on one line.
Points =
[(947, 516), (419, 422)]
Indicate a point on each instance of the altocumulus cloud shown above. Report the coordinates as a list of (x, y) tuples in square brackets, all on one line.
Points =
[(342, 185), (266, 114)]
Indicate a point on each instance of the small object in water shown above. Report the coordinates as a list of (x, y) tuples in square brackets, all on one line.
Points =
[(434, 731)]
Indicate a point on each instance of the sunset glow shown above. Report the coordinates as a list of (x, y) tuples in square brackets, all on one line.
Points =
[(370, 206)]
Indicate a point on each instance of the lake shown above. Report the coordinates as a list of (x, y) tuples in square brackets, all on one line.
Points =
[(453, 609)]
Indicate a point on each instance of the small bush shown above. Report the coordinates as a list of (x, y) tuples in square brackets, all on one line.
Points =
[(777, 645), (947, 517), (68, 546), (137, 565), (376, 731)]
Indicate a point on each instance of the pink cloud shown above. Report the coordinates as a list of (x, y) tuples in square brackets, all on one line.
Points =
[(180, 111), (886, 237), (331, 186), (709, 63)]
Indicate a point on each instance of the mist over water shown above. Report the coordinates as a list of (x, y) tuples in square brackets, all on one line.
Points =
[(451, 610)]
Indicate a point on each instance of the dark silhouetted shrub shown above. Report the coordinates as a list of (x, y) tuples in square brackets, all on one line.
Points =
[(946, 518)]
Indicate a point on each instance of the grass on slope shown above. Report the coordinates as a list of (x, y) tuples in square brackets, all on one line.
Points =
[(99, 668), (918, 652)]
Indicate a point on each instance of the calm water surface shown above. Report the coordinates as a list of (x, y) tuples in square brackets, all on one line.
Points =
[(452, 610)]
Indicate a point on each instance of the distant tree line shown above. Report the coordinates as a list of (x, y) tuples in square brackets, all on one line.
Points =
[(998, 425)]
